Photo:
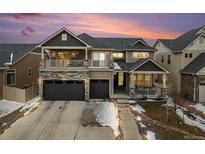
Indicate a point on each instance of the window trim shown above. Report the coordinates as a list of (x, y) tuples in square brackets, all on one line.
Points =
[(64, 37), (9, 73), (29, 68)]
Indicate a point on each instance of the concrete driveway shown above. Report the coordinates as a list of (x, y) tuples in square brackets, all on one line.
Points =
[(57, 120)]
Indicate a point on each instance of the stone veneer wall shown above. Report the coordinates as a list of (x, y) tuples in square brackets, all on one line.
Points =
[(187, 86), (60, 75)]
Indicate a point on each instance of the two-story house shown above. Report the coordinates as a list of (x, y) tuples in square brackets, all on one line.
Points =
[(183, 57), (84, 67)]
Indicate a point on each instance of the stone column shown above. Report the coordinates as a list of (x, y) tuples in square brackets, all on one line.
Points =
[(132, 85)]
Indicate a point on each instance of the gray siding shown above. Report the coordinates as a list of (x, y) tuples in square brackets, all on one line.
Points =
[(57, 41)]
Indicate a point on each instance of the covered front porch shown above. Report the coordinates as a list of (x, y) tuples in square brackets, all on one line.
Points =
[(145, 79)]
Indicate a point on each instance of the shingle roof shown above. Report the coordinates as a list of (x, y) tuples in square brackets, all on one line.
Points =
[(93, 42), (19, 50), (130, 66), (114, 43), (195, 66), (178, 44)]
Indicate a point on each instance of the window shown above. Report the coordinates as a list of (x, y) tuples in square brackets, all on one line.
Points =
[(117, 55), (120, 79), (186, 55), (169, 59), (148, 80), (29, 72), (98, 59), (140, 54), (140, 80), (190, 55), (10, 77), (64, 37), (162, 59)]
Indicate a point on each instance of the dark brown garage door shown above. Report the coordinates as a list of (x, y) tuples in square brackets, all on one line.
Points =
[(99, 89), (63, 90)]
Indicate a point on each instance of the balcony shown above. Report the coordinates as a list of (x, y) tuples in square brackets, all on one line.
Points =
[(64, 63), (99, 63)]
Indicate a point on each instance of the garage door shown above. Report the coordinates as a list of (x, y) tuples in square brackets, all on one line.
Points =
[(202, 92), (63, 90), (99, 89)]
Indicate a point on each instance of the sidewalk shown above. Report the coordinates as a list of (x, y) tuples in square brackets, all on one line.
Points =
[(127, 124)]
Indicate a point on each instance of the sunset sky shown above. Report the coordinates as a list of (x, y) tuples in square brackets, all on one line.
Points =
[(33, 28)]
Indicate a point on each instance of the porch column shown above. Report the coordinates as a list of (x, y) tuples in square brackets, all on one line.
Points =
[(164, 90), (42, 53), (132, 85), (86, 54)]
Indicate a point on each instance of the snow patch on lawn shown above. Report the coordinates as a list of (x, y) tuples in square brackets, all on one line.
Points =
[(150, 135), (107, 115), (200, 107), (7, 107), (138, 108), (197, 122)]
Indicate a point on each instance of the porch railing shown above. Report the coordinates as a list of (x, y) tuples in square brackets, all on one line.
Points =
[(64, 63), (150, 92)]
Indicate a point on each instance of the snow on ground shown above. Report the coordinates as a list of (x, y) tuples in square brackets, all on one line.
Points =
[(138, 108), (197, 122), (200, 107), (107, 115), (150, 135), (30, 105), (117, 67), (7, 107)]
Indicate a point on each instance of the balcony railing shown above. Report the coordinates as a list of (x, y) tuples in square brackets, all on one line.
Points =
[(75, 63), (98, 63), (64, 63)]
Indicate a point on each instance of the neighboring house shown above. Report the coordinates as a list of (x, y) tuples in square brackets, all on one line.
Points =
[(83, 67), (183, 58), (19, 71)]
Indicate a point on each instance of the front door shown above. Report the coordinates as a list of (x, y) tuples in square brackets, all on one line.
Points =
[(120, 81)]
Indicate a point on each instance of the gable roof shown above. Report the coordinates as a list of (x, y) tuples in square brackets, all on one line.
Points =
[(195, 66), (140, 65), (60, 31), (18, 50), (181, 42)]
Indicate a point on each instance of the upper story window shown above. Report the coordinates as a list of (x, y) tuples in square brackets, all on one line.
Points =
[(186, 55), (29, 72), (117, 55), (169, 59), (190, 55), (162, 59), (64, 37), (140, 54), (11, 77), (98, 59)]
